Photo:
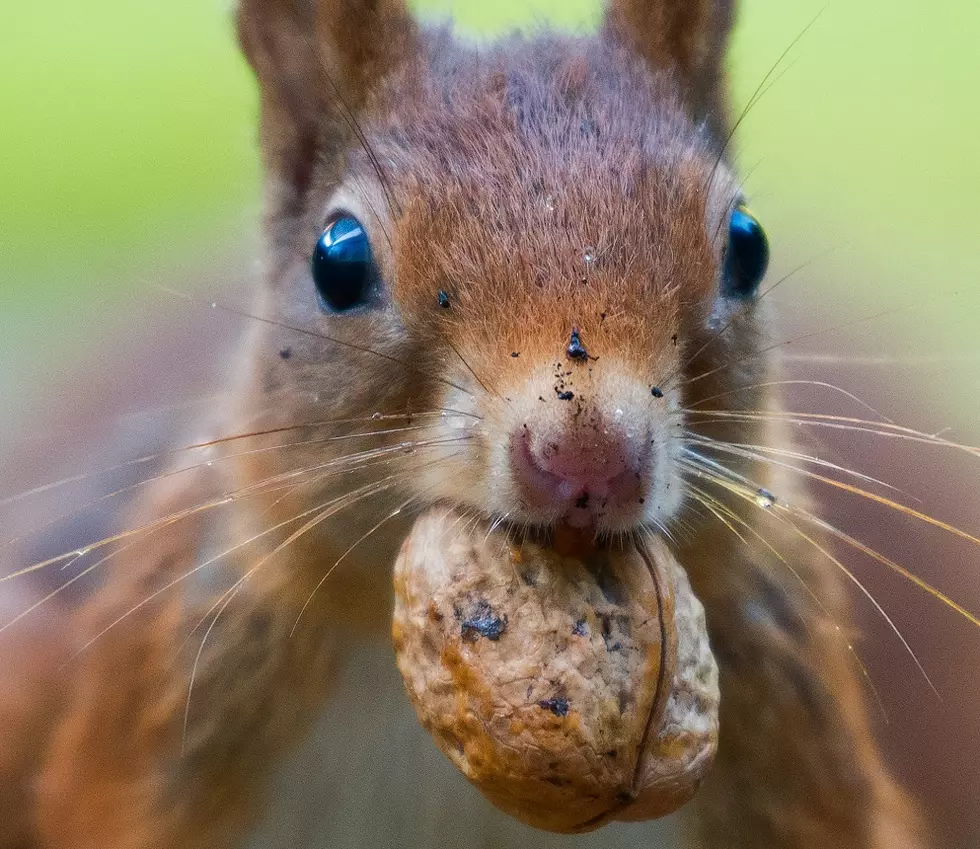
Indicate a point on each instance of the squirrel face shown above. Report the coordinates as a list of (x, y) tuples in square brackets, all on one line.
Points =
[(540, 233)]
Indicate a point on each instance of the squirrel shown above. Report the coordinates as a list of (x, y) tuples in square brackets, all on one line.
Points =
[(498, 277)]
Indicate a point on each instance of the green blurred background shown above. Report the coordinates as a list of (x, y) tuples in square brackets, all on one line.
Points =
[(128, 158)]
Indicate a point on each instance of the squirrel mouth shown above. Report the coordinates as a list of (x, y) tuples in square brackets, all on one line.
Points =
[(574, 540), (568, 540)]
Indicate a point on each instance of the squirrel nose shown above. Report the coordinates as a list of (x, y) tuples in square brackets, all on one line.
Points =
[(585, 471)]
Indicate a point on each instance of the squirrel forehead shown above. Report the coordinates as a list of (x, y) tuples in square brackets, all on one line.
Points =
[(498, 133), (555, 166)]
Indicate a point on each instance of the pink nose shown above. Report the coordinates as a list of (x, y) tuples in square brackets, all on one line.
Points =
[(588, 473)]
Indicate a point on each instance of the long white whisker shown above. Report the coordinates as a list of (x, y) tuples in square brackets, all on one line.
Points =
[(736, 486), (846, 423), (209, 562), (396, 512), (205, 464), (716, 506), (758, 453), (159, 455), (236, 587), (345, 464), (796, 382)]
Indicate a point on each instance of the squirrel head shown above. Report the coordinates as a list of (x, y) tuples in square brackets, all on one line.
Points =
[(535, 235)]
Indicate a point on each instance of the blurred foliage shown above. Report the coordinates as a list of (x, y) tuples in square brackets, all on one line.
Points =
[(128, 150)]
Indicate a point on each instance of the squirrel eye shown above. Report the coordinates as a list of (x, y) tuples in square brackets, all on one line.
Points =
[(746, 256), (342, 265)]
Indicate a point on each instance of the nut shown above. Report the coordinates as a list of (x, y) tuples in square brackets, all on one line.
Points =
[(570, 691)]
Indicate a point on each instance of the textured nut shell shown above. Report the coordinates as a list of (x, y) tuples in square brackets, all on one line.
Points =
[(680, 752), (543, 678)]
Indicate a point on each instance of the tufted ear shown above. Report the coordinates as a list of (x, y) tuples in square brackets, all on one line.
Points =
[(687, 38), (316, 62)]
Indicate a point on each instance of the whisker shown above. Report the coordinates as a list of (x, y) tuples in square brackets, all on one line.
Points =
[(197, 661), (469, 368), (204, 464), (306, 332), (209, 562), (735, 489), (321, 511), (757, 453), (259, 487), (660, 526), (737, 314), (394, 513), (785, 342), (854, 580), (365, 195), (891, 564), (701, 498), (887, 502), (351, 120), (817, 383), (159, 455), (801, 267), (886, 360), (724, 508), (496, 523), (234, 590), (847, 423), (707, 464), (61, 587), (472, 522), (462, 513), (686, 529), (358, 495), (754, 99)]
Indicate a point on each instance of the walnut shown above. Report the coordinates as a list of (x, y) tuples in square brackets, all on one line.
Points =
[(570, 691)]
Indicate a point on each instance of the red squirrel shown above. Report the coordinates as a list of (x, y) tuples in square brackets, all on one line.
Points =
[(499, 277)]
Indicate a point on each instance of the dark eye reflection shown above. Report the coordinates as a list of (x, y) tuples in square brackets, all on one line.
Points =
[(746, 256), (343, 267)]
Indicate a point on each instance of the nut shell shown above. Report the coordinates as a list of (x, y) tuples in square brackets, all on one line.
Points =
[(570, 691)]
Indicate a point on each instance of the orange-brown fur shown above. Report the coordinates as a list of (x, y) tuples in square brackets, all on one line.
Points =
[(501, 169)]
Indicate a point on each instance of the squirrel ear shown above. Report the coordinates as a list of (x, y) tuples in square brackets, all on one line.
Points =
[(685, 37), (316, 62)]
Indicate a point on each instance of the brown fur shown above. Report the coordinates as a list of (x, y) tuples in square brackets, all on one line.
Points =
[(687, 38), (491, 175)]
